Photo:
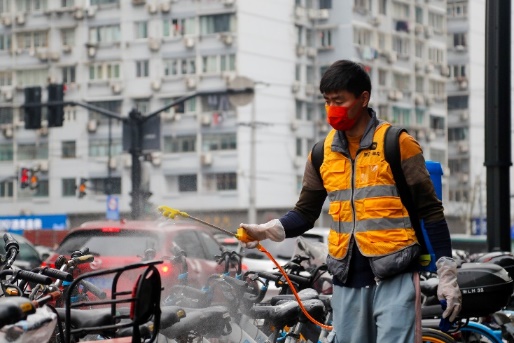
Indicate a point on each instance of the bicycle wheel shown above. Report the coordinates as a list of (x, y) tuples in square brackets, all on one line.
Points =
[(435, 336), (469, 334)]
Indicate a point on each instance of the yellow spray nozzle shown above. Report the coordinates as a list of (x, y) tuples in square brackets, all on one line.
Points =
[(169, 212), (244, 237)]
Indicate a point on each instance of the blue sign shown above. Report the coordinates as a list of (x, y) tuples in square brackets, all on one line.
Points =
[(34, 222), (113, 209)]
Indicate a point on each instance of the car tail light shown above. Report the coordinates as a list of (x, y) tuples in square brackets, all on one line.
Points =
[(244, 268), (110, 229), (165, 268), (49, 265)]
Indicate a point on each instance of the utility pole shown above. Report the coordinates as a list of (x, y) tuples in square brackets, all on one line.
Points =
[(136, 150)]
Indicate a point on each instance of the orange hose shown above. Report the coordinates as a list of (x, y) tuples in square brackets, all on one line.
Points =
[(283, 272)]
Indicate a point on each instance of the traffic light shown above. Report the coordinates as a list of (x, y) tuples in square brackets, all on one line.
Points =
[(32, 114), (55, 112), (34, 181), (82, 188), (24, 177)]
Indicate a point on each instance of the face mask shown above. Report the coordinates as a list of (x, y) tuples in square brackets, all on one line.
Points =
[(337, 117)]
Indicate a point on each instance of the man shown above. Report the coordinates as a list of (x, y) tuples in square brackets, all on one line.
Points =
[(372, 245)]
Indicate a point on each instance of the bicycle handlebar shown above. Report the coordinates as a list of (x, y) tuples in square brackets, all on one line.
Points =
[(93, 289), (13, 309), (32, 277)]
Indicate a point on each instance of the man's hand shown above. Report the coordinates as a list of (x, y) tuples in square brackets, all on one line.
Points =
[(271, 230), (448, 288)]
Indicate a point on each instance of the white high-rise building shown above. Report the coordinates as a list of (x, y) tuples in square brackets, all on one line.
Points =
[(216, 160)]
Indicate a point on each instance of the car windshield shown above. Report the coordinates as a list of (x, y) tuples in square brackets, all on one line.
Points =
[(121, 243)]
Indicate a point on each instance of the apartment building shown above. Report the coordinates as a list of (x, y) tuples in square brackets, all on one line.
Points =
[(216, 159)]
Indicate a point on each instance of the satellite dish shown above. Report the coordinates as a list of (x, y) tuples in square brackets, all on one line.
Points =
[(240, 91)]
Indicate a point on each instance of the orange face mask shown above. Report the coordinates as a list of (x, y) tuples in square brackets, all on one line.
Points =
[(337, 117)]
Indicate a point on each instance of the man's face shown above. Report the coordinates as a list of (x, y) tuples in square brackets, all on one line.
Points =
[(346, 99)]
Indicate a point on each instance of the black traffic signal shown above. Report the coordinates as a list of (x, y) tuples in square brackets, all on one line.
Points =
[(24, 177), (55, 112), (32, 108), (82, 188)]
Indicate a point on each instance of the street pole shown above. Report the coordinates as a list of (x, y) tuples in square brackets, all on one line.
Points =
[(135, 121), (252, 206)]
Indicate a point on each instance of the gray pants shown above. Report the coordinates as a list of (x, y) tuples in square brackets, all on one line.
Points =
[(383, 313)]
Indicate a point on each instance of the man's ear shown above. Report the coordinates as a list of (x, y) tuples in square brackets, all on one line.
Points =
[(365, 98)]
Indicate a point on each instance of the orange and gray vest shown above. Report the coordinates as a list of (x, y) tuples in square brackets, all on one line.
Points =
[(364, 201)]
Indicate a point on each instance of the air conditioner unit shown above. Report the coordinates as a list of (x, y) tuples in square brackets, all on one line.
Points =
[(391, 56), (429, 68), (300, 50), (79, 13), (460, 48), (44, 166), (420, 135), (127, 161), (419, 100), (138, 2), (464, 115), (156, 158), (165, 7), (189, 42), (418, 66), (20, 19), (295, 87), (116, 87), (311, 52), (228, 76), (227, 38), (375, 20), (419, 28), (91, 11), (445, 70), (91, 51), (168, 116), (310, 89), (463, 178), (42, 54), (299, 12), (66, 49), (206, 119), (429, 31), (190, 82), (392, 95), (229, 2), (156, 85), (112, 163), (8, 131), (6, 21), (323, 13), (92, 125), (8, 94), (154, 44), (43, 131), (429, 99), (463, 147), (463, 85), (294, 125), (152, 8), (206, 159), (54, 56)]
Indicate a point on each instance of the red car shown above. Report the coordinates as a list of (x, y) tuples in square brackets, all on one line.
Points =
[(116, 244)]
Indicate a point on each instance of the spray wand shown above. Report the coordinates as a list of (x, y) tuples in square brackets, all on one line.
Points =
[(243, 237)]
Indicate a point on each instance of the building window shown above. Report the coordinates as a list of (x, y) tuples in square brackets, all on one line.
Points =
[(298, 72), (104, 71), (419, 15), (436, 55), (67, 3), (299, 109), (438, 155), (457, 9), (218, 63), (362, 37), (142, 105), (325, 38), (100, 186), (362, 6), (188, 106), (180, 66), (68, 187), (401, 11), (216, 103), (457, 134), (382, 77), (42, 189), (309, 111), (325, 4), (420, 48), (437, 88), (401, 116), (179, 144), (5, 42), (217, 23), (31, 77), (401, 81), (31, 5), (420, 117), (5, 6), (68, 149), (437, 124), (179, 27), (187, 183), (68, 74), (142, 68), (299, 150), (68, 37), (31, 151), (32, 40), (112, 106), (105, 34), (401, 45), (6, 152), (6, 189), (226, 141), (220, 182), (436, 21), (100, 147), (456, 102), (458, 71), (141, 28), (105, 2), (6, 115)]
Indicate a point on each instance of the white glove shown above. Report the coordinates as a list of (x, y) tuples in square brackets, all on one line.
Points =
[(271, 230), (448, 289)]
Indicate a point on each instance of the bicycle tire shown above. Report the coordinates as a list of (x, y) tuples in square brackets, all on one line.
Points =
[(435, 336), (479, 334)]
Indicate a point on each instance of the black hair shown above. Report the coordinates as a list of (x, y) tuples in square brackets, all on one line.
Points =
[(345, 75)]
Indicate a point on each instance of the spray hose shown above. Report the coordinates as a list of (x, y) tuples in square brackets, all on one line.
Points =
[(243, 236)]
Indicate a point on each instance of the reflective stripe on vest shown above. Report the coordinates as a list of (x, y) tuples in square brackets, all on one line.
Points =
[(364, 201)]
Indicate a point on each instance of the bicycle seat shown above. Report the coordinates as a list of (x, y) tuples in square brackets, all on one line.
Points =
[(88, 318), (171, 315), (304, 294), (213, 321), (288, 313)]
